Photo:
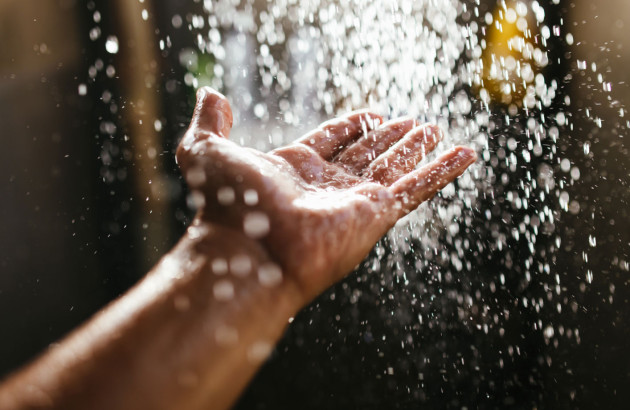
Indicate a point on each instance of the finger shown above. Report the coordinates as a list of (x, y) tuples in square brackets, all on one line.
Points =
[(422, 184), (360, 154), (212, 116), (332, 136), (403, 156), (212, 112)]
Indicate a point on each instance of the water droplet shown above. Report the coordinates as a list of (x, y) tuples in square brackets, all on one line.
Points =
[(219, 266), (176, 21), (240, 265), (223, 290), (196, 177), (250, 197), (196, 200), (111, 45), (259, 351), (589, 276), (269, 274), (256, 224), (549, 332), (226, 195)]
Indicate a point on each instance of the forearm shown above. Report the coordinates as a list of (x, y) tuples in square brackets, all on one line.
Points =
[(190, 335)]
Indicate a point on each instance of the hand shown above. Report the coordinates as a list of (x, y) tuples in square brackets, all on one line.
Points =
[(299, 217), (318, 205)]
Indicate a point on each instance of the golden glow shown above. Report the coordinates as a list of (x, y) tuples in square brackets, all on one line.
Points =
[(513, 55)]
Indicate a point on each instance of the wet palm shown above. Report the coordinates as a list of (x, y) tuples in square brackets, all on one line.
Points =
[(318, 205)]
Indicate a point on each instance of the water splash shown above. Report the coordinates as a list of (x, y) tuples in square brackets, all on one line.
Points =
[(463, 291), (479, 259)]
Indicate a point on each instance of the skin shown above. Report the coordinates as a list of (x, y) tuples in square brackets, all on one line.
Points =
[(273, 230)]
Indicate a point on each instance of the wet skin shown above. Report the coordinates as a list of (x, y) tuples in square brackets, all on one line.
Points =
[(326, 198), (272, 231)]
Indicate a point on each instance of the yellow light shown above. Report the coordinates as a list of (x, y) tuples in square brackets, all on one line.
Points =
[(513, 55)]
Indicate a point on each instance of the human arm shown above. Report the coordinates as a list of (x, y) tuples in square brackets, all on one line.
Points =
[(273, 231)]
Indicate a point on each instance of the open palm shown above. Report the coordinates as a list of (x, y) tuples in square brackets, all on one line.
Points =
[(318, 205)]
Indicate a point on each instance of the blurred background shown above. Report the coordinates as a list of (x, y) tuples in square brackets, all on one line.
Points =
[(95, 95)]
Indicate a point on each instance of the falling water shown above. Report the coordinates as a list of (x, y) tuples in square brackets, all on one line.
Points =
[(467, 299)]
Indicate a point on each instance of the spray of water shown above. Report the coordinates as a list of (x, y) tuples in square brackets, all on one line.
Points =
[(479, 262)]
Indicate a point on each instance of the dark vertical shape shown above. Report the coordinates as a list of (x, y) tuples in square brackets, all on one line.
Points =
[(49, 262)]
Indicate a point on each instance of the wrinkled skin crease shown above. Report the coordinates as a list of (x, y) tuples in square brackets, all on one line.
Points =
[(324, 214)]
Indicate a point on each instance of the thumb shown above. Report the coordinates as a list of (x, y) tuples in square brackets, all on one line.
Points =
[(212, 112)]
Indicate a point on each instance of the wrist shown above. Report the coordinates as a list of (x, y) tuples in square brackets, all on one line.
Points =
[(232, 266), (187, 324), (223, 311)]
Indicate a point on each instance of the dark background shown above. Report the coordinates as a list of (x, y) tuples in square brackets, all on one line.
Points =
[(80, 225)]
